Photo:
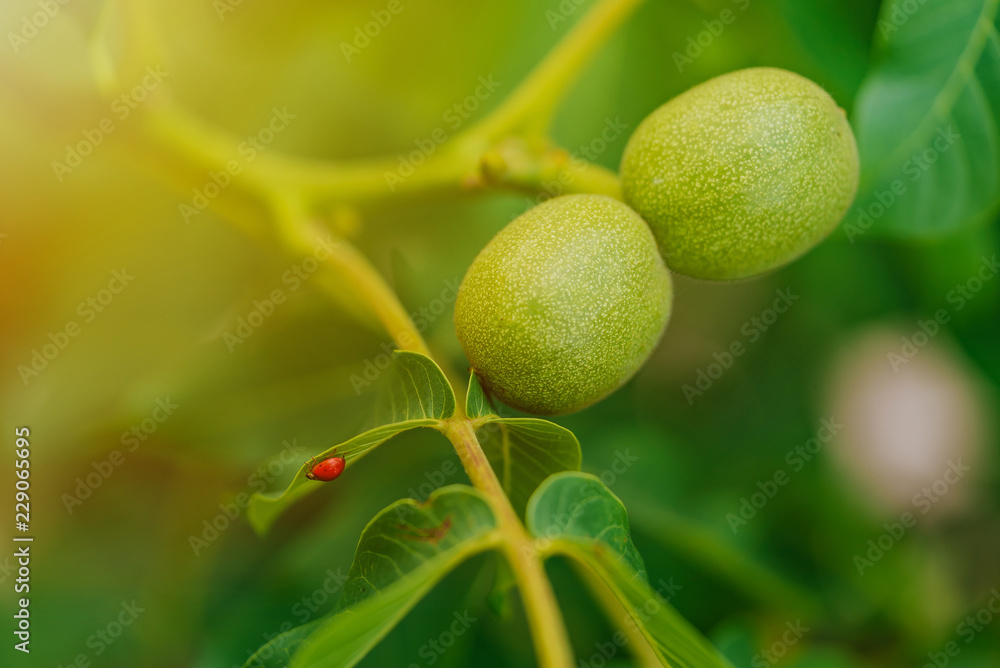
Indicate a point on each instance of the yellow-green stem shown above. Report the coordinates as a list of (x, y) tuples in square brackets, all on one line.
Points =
[(534, 102), (545, 620), (455, 166), (301, 235), (639, 647)]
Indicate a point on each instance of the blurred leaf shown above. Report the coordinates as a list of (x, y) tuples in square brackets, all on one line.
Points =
[(927, 120), (526, 451), (835, 37), (402, 554), (736, 639), (523, 451), (418, 396), (504, 583), (825, 658), (123, 45), (713, 552), (586, 521)]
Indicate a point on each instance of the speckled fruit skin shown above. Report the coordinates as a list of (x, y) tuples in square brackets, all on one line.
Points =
[(564, 304), (742, 174)]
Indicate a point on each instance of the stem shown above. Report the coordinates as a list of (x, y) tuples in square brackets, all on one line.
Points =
[(514, 162), (544, 617), (457, 165), (302, 235), (598, 180), (642, 652), (380, 297), (201, 147), (534, 102)]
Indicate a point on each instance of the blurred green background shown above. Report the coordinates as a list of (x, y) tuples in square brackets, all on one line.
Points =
[(693, 462)]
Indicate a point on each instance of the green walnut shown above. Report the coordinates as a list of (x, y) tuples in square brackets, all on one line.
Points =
[(742, 174), (564, 304)]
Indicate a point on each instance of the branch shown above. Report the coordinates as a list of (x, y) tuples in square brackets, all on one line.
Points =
[(545, 621), (466, 162), (533, 104), (617, 613)]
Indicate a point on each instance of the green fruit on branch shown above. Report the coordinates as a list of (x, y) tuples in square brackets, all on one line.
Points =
[(564, 304), (742, 174)]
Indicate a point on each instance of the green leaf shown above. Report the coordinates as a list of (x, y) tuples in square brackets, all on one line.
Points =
[(579, 517), (927, 120), (403, 552), (407, 534), (578, 507), (418, 395), (417, 390), (476, 403), (526, 451), (522, 451)]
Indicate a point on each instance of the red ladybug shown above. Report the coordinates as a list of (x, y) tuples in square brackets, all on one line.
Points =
[(326, 470)]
